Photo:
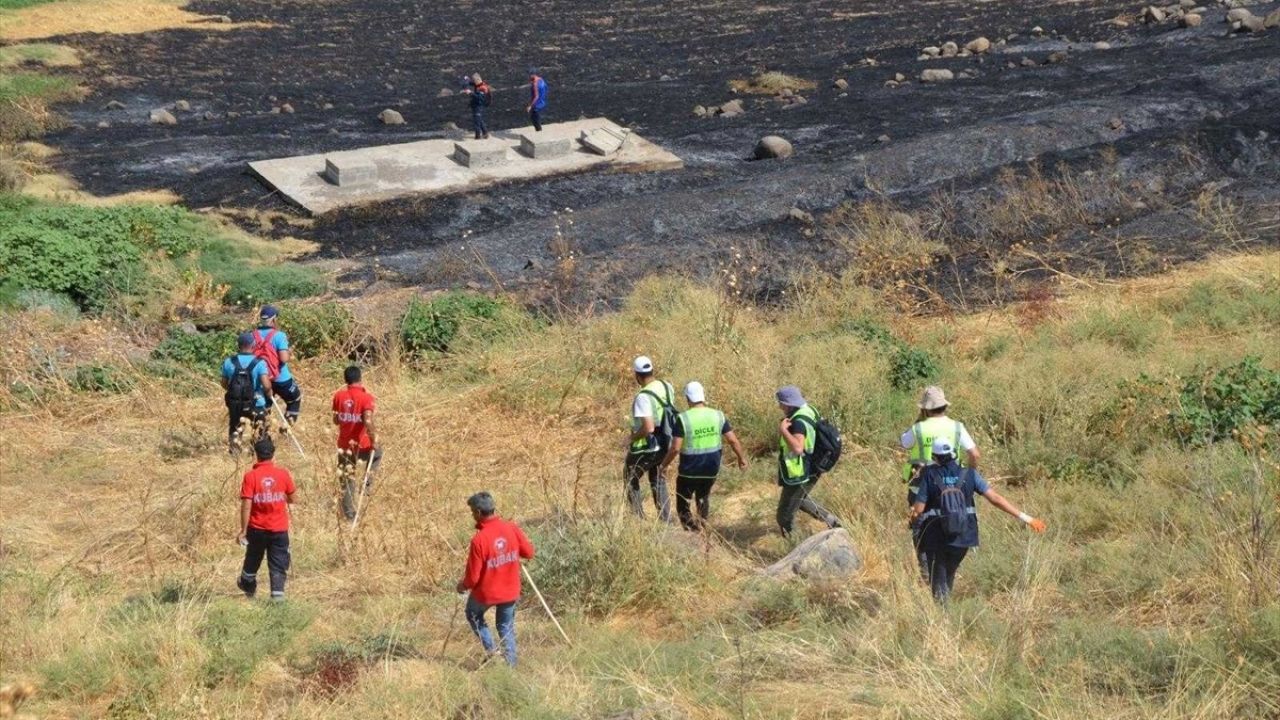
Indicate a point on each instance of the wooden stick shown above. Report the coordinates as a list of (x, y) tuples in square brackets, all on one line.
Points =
[(543, 600), (288, 429)]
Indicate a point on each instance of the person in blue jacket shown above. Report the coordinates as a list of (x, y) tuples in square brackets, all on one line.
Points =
[(537, 98), (272, 346), (248, 390)]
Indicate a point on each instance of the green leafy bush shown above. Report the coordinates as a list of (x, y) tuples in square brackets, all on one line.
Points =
[(202, 352), (238, 636), (909, 366), (1215, 404), (251, 285), (100, 378), (434, 326), (316, 330)]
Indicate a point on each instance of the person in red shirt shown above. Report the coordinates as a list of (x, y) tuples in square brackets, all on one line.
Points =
[(353, 408), (265, 496), (493, 574)]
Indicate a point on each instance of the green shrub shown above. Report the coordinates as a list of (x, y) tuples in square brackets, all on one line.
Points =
[(1215, 404), (317, 330), (250, 285), (100, 378), (238, 636), (201, 352), (81, 675), (56, 303), (435, 325), (910, 366), (1118, 659), (770, 603)]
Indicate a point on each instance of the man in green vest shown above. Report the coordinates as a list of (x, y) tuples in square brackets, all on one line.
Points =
[(650, 437), (797, 434), (933, 424), (698, 437)]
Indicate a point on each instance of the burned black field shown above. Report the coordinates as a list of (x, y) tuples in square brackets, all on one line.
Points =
[(1051, 156)]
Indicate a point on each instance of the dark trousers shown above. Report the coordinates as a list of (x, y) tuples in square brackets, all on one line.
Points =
[(535, 117), (693, 495), (478, 123), (275, 546), (348, 465), (796, 497), (289, 392), (637, 466), (941, 563), (244, 428)]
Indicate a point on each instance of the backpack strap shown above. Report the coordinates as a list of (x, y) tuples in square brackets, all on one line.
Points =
[(235, 363)]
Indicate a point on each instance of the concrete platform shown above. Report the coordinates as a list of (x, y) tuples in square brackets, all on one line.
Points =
[(431, 167)]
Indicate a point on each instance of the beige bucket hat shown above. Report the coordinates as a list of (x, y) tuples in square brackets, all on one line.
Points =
[(933, 398)]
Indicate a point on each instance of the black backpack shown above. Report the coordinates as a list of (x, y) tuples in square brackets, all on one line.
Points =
[(240, 387), (664, 430), (953, 508), (827, 445)]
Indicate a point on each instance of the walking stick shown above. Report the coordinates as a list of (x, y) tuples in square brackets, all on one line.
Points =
[(453, 621), (543, 600), (360, 498), (288, 429)]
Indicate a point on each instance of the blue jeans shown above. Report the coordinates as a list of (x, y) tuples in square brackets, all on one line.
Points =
[(477, 122), (504, 618)]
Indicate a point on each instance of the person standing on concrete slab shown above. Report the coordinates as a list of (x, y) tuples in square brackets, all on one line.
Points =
[(492, 575), (698, 437), (652, 415), (481, 98), (798, 433), (537, 98)]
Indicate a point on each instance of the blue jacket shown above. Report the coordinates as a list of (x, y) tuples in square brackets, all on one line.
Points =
[(538, 93)]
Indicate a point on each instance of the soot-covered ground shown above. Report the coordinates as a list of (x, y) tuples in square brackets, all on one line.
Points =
[(1170, 113)]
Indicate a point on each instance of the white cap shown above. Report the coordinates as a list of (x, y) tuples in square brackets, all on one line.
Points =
[(942, 446), (694, 393), (642, 364)]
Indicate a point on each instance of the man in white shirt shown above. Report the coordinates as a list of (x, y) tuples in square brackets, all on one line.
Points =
[(651, 417)]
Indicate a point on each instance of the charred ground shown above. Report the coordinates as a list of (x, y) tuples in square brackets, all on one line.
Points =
[(1155, 135)]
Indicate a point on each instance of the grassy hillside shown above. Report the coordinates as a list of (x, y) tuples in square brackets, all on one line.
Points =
[(1132, 416)]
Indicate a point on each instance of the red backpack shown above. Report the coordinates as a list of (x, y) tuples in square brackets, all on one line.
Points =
[(263, 348)]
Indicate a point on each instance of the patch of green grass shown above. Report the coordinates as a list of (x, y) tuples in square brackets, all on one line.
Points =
[(46, 54), (239, 635), (19, 4)]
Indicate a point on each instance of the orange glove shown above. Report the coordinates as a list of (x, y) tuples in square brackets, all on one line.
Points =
[(1037, 525)]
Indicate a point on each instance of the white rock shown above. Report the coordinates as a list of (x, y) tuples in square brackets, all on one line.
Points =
[(932, 51), (391, 117), (163, 117), (933, 75), (977, 46), (773, 147), (949, 49)]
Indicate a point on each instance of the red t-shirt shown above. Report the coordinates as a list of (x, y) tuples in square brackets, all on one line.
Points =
[(351, 403), (493, 564), (268, 486)]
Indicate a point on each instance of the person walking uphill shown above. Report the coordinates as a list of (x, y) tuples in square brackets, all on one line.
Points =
[(272, 345), (651, 417), (537, 98), (248, 390), (698, 437), (945, 511), (932, 424), (266, 493), (353, 409), (481, 98), (798, 433), (493, 574)]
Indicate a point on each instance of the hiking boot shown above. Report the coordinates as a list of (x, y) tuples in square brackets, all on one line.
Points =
[(248, 586), (486, 136)]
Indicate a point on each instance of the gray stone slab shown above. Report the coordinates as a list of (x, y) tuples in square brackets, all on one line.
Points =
[(349, 171), (480, 154), (604, 141), (543, 146)]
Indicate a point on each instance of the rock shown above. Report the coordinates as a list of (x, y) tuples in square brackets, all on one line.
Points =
[(391, 117), (232, 115), (274, 110), (883, 139), (978, 46), (899, 77), (1253, 23), (664, 78), (949, 49), (773, 147), (327, 106), (113, 105), (1027, 62), (1102, 45), (1152, 15), (103, 124), (189, 328), (182, 106), (964, 52), (163, 117), (1115, 123), (224, 19), (786, 93), (840, 84), (444, 93), (1037, 30), (1238, 14), (209, 115), (932, 51), (733, 108), (1272, 19), (1192, 20), (891, 83), (1056, 57), (699, 111), (828, 555), (934, 75), (286, 109), (1186, 4), (800, 216)]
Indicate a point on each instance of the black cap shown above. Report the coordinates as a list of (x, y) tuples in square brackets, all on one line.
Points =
[(264, 449)]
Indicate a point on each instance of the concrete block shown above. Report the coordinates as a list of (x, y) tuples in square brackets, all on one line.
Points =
[(541, 146), (479, 154), (604, 141), (349, 172)]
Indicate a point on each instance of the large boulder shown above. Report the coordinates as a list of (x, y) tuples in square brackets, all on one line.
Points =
[(1238, 14), (978, 46), (163, 117), (772, 147), (733, 108), (828, 555), (934, 75), (1273, 19), (1192, 20), (391, 117)]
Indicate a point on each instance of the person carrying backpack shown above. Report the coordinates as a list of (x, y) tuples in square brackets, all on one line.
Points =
[(945, 511), (651, 417), (272, 345), (481, 98), (244, 378), (537, 98), (798, 472), (698, 438)]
